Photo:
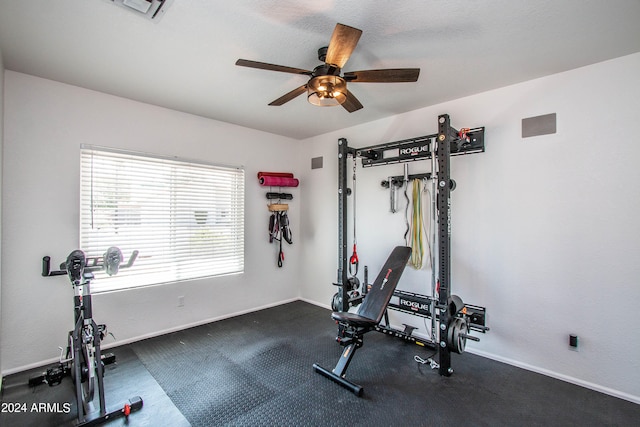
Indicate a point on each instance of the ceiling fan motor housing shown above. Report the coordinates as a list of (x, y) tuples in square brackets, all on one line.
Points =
[(322, 53)]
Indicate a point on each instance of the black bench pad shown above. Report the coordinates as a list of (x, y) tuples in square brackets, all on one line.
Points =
[(353, 319), (375, 302)]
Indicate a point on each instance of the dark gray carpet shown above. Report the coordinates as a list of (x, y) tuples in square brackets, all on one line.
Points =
[(256, 369)]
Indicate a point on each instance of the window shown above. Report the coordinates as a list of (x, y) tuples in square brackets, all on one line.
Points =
[(186, 219)]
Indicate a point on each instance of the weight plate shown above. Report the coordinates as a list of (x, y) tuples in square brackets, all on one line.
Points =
[(456, 336), (336, 302)]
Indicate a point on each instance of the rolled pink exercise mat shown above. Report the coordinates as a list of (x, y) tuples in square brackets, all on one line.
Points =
[(278, 181)]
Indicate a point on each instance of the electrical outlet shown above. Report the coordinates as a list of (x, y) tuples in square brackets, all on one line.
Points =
[(573, 342), (181, 301)]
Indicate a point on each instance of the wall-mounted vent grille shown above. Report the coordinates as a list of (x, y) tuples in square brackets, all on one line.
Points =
[(151, 9)]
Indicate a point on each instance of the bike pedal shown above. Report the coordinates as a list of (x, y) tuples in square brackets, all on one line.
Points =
[(54, 375), (136, 403), (102, 329), (108, 358), (37, 380)]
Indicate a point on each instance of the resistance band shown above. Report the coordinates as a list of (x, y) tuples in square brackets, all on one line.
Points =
[(417, 231)]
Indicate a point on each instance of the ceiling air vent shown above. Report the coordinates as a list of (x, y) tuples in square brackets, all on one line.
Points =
[(151, 9)]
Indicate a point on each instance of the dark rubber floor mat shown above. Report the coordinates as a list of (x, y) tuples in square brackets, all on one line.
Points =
[(256, 370), (123, 380)]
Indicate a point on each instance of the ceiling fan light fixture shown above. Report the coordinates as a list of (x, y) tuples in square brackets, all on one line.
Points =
[(151, 9), (139, 5), (327, 91)]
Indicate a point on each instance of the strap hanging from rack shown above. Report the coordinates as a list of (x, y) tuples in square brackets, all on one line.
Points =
[(405, 183), (353, 261), (279, 230)]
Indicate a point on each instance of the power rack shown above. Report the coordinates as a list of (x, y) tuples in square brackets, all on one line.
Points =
[(455, 318)]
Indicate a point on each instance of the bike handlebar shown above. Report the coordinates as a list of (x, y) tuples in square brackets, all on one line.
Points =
[(91, 264), (46, 268), (132, 259)]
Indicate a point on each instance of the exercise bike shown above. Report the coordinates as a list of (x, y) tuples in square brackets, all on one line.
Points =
[(84, 361)]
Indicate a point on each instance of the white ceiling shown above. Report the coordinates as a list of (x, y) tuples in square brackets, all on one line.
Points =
[(186, 61)]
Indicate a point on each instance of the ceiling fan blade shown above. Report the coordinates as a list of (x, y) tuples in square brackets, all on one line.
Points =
[(271, 67), (289, 96), (343, 40), (351, 104), (390, 75)]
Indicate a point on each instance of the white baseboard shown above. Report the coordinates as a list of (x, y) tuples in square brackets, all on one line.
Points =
[(30, 366), (327, 306), (198, 323), (539, 370), (552, 374), (106, 345)]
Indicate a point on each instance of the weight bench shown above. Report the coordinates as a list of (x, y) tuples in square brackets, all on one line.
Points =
[(352, 326)]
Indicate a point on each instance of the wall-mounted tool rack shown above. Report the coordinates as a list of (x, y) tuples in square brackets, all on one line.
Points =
[(279, 229)]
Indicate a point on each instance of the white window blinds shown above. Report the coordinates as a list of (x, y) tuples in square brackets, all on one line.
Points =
[(186, 219)]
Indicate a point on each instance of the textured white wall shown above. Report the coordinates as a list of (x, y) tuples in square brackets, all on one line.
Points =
[(45, 123), (544, 229)]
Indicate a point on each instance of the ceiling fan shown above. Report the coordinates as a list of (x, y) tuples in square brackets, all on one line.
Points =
[(327, 87)]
